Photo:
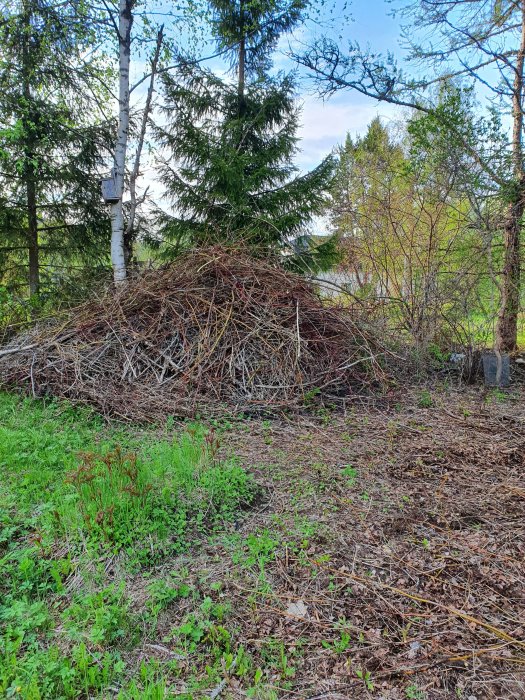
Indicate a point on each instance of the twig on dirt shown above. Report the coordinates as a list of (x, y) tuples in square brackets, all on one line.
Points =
[(164, 650), (222, 685)]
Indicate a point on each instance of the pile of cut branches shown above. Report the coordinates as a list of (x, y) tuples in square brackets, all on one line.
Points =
[(216, 329)]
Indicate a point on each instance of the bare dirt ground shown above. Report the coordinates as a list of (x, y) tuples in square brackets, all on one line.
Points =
[(386, 558)]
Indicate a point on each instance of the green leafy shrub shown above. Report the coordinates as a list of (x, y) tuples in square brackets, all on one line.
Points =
[(162, 593), (425, 399), (203, 627)]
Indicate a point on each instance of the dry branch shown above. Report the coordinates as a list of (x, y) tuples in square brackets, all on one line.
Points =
[(216, 329)]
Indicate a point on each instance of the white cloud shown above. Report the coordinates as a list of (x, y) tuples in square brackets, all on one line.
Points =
[(324, 125)]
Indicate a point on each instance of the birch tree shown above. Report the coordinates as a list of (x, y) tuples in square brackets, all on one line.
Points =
[(125, 23), (122, 20)]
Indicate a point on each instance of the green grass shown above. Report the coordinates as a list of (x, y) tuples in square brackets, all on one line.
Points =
[(481, 330), (76, 494)]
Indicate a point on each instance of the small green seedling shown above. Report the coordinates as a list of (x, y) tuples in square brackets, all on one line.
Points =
[(425, 399), (412, 692), (366, 677), (351, 474)]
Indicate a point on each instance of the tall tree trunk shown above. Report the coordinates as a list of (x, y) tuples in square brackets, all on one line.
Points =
[(129, 233), (29, 166), (507, 326), (117, 215), (241, 70), (127, 244), (32, 235)]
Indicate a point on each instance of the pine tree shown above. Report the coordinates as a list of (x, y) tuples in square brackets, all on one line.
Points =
[(50, 146), (230, 174)]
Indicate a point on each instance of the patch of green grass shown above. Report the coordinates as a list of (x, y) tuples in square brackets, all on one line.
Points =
[(65, 476), (496, 395), (350, 473), (163, 593), (100, 618), (257, 549), (204, 627), (32, 672), (76, 496), (39, 443), (425, 399), (150, 684), (132, 500)]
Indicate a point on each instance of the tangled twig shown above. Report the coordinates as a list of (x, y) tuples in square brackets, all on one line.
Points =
[(217, 328)]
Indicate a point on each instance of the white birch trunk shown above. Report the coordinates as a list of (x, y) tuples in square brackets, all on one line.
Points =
[(117, 216)]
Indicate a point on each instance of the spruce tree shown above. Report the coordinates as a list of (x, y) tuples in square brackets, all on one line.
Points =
[(51, 148), (230, 173)]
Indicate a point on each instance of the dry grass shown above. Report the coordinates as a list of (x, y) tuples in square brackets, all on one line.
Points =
[(419, 554)]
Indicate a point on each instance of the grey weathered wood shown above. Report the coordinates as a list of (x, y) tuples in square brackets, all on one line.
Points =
[(109, 190)]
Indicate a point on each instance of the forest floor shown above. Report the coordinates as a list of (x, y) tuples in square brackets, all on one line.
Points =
[(382, 556)]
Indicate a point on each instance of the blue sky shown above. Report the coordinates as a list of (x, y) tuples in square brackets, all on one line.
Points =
[(324, 124)]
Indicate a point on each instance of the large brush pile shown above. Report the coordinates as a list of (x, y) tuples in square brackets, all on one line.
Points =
[(216, 329)]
